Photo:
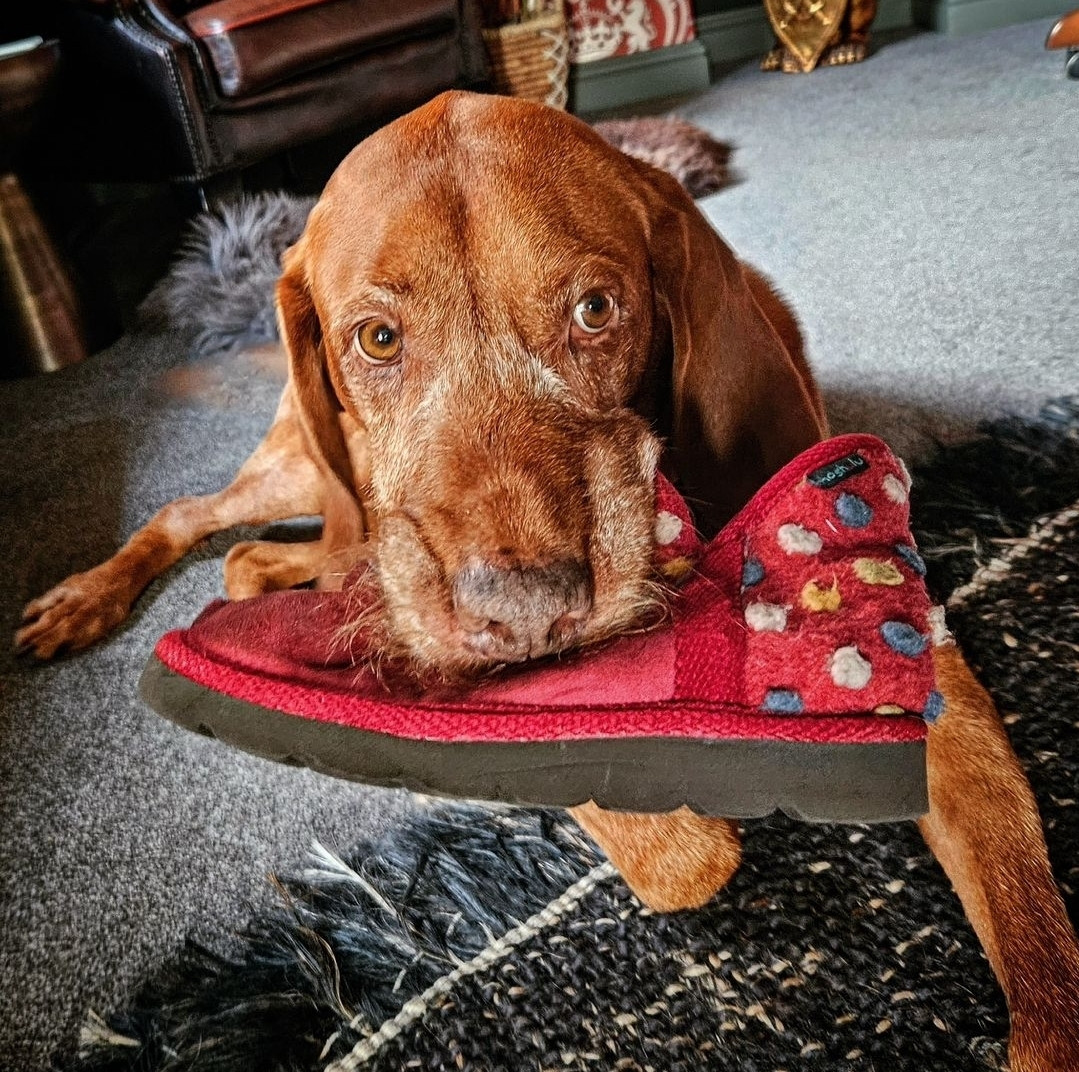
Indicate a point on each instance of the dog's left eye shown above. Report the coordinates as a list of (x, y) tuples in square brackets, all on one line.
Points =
[(378, 342), (593, 312)]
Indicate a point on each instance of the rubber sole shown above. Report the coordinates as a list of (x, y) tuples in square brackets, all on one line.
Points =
[(729, 778)]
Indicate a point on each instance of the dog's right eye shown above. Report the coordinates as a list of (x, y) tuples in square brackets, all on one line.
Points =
[(593, 312), (378, 342)]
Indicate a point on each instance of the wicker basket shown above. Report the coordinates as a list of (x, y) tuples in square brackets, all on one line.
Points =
[(531, 59)]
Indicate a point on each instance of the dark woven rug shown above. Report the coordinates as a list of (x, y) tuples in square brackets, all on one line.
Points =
[(488, 939)]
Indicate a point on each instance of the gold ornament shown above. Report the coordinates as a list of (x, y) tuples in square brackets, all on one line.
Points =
[(806, 27)]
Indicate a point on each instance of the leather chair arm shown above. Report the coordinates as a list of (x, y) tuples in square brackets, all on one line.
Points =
[(256, 44), (223, 15)]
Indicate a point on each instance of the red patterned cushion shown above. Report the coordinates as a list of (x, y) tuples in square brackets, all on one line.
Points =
[(599, 30)]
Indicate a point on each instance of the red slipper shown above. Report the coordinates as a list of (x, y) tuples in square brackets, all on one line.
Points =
[(795, 673)]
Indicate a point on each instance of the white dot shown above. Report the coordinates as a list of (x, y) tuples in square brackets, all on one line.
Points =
[(798, 540), (850, 670), (668, 528), (894, 489), (905, 472), (938, 626), (766, 617)]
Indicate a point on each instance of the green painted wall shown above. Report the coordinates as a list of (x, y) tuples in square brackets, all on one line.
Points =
[(966, 16)]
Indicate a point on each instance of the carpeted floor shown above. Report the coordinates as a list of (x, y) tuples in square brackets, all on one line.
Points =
[(906, 206), (912, 209), (833, 946)]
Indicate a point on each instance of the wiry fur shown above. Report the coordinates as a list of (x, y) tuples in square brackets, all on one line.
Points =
[(221, 284)]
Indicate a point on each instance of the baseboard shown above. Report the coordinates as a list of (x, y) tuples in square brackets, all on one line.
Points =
[(967, 16), (735, 35), (731, 36), (726, 37), (664, 72)]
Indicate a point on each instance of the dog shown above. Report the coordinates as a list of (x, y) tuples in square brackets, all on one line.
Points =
[(494, 321)]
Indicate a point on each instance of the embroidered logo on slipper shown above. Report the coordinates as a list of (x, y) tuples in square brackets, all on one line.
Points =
[(827, 476)]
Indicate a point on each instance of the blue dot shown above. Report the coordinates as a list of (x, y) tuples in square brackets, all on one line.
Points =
[(752, 572), (903, 638), (854, 512), (783, 702), (911, 557), (934, 707)]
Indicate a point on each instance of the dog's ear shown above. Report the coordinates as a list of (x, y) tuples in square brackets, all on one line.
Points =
[(344, 525), (742, 400)]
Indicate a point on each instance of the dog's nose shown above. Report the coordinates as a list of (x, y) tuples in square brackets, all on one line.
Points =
[(510, 614)]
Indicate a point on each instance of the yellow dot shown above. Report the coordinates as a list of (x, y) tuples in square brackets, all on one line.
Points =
[(677, 569), (874, 571), (888, 709), (816, 598)]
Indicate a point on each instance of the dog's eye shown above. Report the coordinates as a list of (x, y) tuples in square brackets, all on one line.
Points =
[(378, 342), (593, 312)]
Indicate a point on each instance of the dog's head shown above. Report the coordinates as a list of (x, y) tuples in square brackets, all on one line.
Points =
[(509, 309)]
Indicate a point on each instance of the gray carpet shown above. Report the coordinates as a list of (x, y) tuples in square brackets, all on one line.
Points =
[(908, 207), (118, 835), (916, 209)]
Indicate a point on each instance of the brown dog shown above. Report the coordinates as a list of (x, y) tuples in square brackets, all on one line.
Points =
[(490, 318)]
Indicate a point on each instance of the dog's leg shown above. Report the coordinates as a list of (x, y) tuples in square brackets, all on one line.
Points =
[(278, 481), (670, 861), (258, 566), (984, 828)]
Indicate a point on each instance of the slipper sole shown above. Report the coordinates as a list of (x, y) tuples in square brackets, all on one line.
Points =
[(728, 777)]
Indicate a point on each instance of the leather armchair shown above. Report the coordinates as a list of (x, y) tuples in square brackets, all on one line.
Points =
[(188, 90)]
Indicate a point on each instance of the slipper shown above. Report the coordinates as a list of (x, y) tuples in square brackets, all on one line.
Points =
[(794, 672)]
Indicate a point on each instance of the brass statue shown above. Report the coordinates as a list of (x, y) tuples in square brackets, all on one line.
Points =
[(818, 32)]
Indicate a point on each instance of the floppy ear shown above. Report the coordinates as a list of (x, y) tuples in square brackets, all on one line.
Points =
[(743, 402), (343, 526)]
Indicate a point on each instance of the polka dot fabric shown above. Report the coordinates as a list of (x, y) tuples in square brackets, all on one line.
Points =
[(677, 543), (836, 613)]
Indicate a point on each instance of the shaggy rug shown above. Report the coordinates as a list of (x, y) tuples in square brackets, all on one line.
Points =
[(220, 286), (494, 939)]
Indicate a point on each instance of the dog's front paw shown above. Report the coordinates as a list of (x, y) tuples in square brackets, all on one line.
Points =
[(256, 567), (70, 616)]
